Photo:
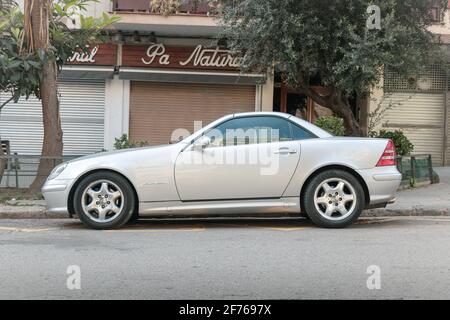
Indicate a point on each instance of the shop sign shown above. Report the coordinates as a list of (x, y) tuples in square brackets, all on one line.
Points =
[(102, 54), (161, 56)]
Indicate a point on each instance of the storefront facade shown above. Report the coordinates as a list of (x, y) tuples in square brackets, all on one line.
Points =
[(82, 97), (161, 77), (154, 92), (176, 89), (418, 106), (82, 104)]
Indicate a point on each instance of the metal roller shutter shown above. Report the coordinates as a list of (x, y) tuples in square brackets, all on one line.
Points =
[(82, 118), (421, 117), (157, 109), (446, 132)]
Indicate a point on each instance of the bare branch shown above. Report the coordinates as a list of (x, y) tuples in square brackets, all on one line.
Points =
[(6, 102)]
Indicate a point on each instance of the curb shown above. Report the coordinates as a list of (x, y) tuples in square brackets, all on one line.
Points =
[(28, 212), (23, 212), (413, 212)]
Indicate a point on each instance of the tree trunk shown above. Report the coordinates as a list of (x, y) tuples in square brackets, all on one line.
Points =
[(52, 144), (343, 110), (339, 104)]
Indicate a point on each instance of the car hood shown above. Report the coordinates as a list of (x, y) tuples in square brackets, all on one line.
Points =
[(121, 152), (123, 161)]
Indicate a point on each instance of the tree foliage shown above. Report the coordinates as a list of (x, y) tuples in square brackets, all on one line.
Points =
[(403, 146), (19, 70), (124, 143), (332, 124), (330, 41), (21, 65)]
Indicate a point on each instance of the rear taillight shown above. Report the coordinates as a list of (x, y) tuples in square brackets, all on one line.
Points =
[(388, 156)]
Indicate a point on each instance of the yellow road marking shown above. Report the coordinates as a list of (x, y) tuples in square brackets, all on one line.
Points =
[(285, 229), (26, 229), (156, 230), (204, 228)]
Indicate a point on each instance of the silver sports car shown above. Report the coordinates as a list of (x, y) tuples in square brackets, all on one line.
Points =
[(242, 164)]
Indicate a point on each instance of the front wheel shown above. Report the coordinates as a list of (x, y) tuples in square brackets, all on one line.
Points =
[(104, 200), (333, 199)]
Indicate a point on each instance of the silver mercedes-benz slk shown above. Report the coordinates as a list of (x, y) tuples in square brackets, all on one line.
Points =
[(242, 164)]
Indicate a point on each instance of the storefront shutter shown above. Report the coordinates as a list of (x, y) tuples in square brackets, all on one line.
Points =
[(157, 109), (421, 117), (82, 106)]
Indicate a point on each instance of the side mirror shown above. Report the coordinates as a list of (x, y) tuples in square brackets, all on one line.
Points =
[(202, 143)]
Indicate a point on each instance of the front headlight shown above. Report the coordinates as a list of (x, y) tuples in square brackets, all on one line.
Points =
[(57, 171)]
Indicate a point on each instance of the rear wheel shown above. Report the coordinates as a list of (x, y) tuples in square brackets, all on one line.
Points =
[(104, 200), (333, 199)]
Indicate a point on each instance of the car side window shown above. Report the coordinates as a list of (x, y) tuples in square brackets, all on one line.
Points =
[(250, 130), (299, 133)]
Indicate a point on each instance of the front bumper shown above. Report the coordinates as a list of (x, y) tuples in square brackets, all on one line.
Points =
[(56, 194), (382, 183)]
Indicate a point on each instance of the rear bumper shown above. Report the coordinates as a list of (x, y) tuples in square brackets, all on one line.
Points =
[(387, 177), (56, 193), (382, 183)]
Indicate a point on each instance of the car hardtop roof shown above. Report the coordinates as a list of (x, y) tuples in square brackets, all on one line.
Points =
[(261, 113)]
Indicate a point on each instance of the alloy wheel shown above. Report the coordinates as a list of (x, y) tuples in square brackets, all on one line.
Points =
[(335, 199), (102, 201)]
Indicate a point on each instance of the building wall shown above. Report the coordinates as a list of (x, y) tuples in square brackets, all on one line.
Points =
[(117, 104), (267, 93), (376, 98), (419, 111), (443, 27), (447, 130)]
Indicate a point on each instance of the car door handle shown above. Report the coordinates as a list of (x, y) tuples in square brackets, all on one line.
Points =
[(286, 150)]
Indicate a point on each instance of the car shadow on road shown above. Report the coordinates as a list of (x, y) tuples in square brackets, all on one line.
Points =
[(281, 224), (224, 222), (199, 224)]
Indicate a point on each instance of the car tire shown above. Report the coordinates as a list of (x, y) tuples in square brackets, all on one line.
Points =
[(104, 200), (333, 199), (134, 217)]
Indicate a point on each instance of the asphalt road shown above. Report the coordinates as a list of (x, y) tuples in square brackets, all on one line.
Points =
[(225, 259)]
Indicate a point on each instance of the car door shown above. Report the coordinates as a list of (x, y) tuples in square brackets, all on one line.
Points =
[(244, 158)]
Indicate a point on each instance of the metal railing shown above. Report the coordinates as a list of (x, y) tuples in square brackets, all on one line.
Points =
[(21, 170), (4, 145), (416, 168)]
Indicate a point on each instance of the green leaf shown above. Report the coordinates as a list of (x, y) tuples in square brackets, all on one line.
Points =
[(59, 10), (69, 4), (35, 64), (41, 54), (26, 66), (14, 64)]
